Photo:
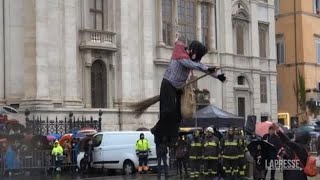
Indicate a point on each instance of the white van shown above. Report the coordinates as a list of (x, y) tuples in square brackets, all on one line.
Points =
[(116, 150)]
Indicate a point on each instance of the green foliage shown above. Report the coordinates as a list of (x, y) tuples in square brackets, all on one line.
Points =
[(300, 92)]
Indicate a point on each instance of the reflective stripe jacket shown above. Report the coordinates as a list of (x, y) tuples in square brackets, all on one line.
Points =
[(195, 151), (230, 147), (211, 147), (243, 145)]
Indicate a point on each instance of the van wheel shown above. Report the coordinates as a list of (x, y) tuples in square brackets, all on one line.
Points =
[(128, 167)]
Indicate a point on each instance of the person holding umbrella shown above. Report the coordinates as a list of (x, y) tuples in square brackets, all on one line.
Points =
[(259, 151), (299, 149)]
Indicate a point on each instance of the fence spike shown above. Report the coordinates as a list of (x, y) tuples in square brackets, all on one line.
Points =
[(47, 126), (57, 125), (65, 125)]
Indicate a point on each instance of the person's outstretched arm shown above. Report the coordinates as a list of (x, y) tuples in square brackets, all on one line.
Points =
[(188, 63)]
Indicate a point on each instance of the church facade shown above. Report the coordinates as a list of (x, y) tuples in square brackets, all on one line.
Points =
[(58, 56)]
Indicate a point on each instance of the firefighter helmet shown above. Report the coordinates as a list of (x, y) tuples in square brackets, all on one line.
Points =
[(210, 129)]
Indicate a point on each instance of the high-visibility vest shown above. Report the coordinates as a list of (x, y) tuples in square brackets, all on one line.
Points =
[(142, 145)]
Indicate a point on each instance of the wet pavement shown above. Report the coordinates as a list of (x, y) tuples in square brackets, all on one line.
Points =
[(101, 176)]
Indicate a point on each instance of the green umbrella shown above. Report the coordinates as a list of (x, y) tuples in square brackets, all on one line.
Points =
[(305, 129)]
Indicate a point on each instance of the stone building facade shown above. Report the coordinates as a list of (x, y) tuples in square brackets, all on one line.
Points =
[(58, 56)]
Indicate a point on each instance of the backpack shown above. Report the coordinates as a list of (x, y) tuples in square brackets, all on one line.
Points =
[(310, 168)]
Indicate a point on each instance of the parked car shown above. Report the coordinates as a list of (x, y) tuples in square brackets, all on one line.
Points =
[(116, 150)]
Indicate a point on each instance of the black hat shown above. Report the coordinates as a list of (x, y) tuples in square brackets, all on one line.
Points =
[(198, 49)]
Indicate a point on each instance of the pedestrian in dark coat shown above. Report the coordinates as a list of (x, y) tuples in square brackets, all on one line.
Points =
[(181, 154), (259, 167), (298, 148), (162, 151), (273, 139)]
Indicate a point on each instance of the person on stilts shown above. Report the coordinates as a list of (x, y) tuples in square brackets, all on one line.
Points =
[(183, 60)]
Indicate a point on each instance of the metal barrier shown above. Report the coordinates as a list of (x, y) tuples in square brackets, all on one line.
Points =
[(36, 160), (313, 144)]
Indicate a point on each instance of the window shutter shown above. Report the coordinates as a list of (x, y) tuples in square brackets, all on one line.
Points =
[(318, 51), (278, 53), (276, 6), (240, 34), (282, 52)]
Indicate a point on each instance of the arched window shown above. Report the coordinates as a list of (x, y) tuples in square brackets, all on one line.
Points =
[(240, 20), (98, 85), (241, 80)]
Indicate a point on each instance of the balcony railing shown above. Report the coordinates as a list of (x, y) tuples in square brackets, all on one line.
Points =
[(95, 39)]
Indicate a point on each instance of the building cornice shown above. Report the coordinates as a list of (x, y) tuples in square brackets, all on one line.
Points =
[(298, 13), (247, 70), (299, 64), (263, 4), (250, 57)]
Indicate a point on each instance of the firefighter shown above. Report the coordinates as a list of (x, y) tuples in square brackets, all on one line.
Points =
[(195, 155), (242, 164), (230, 146), (210, 153), (142, 151)]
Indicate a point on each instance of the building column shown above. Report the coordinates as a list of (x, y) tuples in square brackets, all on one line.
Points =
[(70, 45), (2, 69), (87, 63), (198, 21), (174, 20), (41, 30), (212, 26), (130, 65), (147, 53), (273, 96), (159, 22), (271, 34), (226, 31), (253, 26), (256, 94), (229, 99)]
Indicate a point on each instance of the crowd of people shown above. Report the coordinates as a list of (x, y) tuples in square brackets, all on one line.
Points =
[(45, 154), (201, 154), (212, 154)]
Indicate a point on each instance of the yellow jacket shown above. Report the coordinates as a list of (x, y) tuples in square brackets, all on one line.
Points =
[(142, 145), (57, 150)]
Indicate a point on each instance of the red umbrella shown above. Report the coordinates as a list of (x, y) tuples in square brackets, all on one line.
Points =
[(3, 140), (65, 138), (12, 121), (262, 128), (88, 131)]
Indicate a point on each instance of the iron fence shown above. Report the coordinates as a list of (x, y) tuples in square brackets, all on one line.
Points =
[(39, 160), (46, 126)]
